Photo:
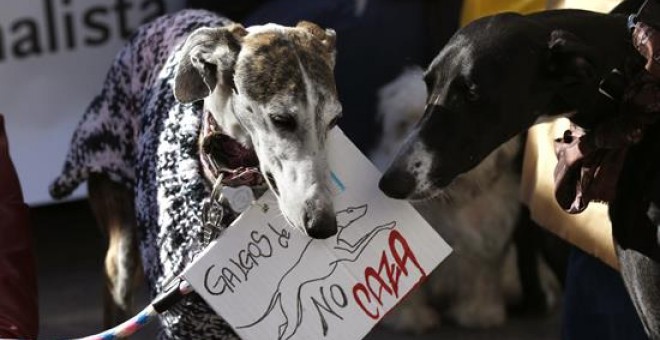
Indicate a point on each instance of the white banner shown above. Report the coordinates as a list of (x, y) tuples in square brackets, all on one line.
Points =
[(271, 282), (54, 55)]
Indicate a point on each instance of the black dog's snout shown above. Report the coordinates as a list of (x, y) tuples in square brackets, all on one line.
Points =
[(322, 226), (397, 184)]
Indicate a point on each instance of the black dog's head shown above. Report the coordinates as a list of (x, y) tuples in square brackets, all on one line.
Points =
[(494, 79)]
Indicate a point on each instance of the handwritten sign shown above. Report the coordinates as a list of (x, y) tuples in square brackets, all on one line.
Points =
[(271, 282)]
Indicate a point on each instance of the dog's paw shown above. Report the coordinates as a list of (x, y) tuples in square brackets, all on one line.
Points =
[(478, 316), (416, 319)]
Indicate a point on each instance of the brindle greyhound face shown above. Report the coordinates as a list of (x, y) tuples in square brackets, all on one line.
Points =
[(493, 79), (272, 88)]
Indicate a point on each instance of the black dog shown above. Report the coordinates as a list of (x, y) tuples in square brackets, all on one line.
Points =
[(497, 77)]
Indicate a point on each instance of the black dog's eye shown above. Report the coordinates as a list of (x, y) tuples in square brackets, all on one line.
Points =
[(285, 122), (467, 90), (471, 90), (472, 93)]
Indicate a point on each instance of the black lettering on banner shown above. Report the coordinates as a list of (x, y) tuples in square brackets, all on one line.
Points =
[(30, 43), (2, 45), (121, 7), (63, 27), (50, 25), (93, 23), (69, 30)]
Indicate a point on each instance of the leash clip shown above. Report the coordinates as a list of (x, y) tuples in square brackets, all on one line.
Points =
[(232, 190), (632, 22), (213, 212)]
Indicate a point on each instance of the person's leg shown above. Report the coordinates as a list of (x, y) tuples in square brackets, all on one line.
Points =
[(596, 304), (18, 284)]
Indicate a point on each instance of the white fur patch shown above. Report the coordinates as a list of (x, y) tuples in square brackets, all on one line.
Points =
[(419, 165), (267, 28), (400, 105)]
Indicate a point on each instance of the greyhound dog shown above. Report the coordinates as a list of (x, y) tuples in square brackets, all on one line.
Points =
[(498, 76), (271, 91)]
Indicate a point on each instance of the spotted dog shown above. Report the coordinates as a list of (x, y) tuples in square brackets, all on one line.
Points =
[(270, 89)]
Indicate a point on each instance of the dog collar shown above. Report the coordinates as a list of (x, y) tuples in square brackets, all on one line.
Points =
[(233, 172), (589, 162)]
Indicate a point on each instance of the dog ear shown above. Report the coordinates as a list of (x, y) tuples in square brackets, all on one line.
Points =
[(570, 59), (328, 37), (208, 56)]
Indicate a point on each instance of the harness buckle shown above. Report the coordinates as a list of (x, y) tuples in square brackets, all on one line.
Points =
[(230, 196), (213, 212)]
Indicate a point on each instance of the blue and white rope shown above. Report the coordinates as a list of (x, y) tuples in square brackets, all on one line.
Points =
[(127, 328), (160, 304)]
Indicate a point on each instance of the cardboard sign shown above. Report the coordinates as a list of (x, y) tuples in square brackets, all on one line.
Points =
[(54, 55), (271, 282)]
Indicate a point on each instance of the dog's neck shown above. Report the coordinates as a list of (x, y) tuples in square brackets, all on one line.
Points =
[(222, 106)]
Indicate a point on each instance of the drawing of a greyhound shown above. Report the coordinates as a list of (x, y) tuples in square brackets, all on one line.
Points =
[(287, 296)]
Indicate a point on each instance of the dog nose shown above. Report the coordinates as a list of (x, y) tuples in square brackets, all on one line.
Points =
[(397, 184), (322, 226)]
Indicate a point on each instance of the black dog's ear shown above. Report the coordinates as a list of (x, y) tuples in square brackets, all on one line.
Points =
[(208, 56), (570, 59)]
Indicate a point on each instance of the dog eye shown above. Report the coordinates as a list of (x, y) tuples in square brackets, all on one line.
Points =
[(471, 91), (472, 94), (283, 121)]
